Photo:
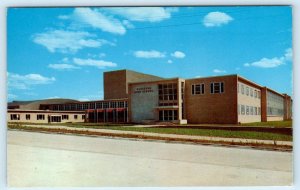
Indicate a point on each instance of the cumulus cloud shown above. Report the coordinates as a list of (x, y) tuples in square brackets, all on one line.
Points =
[(68, 41), (144, 14), (97, 19), (95, 63), (178, 54), (16, 81), (272, 62), (170, 61), (116, 20), (214, 19), (149, 54), (219, 71), (62, 66)]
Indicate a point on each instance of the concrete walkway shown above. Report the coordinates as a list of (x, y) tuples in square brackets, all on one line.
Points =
[(170, 136)]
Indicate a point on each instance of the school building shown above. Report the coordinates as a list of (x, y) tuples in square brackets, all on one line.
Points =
[(133, 97)]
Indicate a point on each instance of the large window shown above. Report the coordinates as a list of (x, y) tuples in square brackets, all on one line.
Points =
[(168, 115), (216, 87), (14, 116), (167, 91), (27, 116), (274, 104), (40, 117), (197, 89)]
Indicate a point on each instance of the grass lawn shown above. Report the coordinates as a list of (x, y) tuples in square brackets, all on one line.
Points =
[(271, 124), (187, 131)]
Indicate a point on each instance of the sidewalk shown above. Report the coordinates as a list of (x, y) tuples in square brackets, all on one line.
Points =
[(170, 136)]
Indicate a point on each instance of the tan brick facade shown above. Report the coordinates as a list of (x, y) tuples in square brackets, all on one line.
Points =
[(212, 108), (116, 82)]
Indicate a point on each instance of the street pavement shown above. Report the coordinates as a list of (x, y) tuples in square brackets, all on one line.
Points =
[(56, 160)]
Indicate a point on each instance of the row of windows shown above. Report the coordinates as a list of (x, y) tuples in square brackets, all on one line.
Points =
[(40, 117), (248, 110), (248, 91), (93, 105), (215, 88)]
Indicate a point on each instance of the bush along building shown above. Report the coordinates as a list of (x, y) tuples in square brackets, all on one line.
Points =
[(133, 97)]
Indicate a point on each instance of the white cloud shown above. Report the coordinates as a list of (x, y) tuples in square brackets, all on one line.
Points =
[(53, 97), (288, 56), (96, 19), (16, 81), (214, 19), (65, 60), (68, 41), (92, 62), (272, 62), (178, 54), (219, 71), (149, 54), (128, 24), (144, 14), (63, 17), (62, 66), (170, 61), (102, 55)]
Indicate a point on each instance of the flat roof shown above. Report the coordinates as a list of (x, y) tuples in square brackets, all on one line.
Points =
[(41, 111)]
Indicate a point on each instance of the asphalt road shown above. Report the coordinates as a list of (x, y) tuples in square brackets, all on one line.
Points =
[(53, 160)]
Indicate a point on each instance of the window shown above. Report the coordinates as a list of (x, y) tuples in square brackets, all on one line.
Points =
[(167, 91), (99, 105), (255, 93), (113, 104), (247, 110), (92, 105), (168, 115), (40, 117), (65, 117), (121, 104), (243, 89), (255, 111), (75, 116), (14, 116), (216, 87), (27, 116), (197, 89), (247, 91), (251, 110), (83, 117), (105, 104), (251, 92), (243, 109)]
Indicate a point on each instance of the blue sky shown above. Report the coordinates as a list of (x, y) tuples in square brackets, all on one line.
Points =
[(63, 52)]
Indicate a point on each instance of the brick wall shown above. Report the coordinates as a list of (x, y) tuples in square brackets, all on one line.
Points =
[(212, 108)]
